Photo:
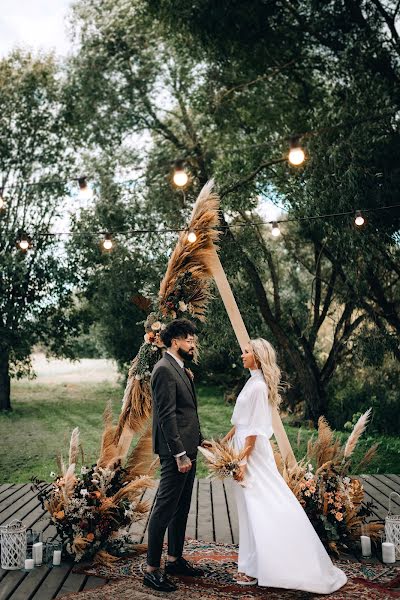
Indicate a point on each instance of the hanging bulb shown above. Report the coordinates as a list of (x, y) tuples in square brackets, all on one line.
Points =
[(23, 242), (107, 242), (180, 177), (192, 237), (296, 154), (2, 201), (275, 231), (359, 219), (85, 192)]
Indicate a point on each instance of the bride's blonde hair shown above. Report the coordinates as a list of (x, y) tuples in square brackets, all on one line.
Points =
[(265, 358)]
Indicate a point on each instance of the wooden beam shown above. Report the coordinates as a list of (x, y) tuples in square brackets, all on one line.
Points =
[(243, 338)]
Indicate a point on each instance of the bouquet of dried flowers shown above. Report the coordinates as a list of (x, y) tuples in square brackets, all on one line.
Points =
[(222, 459)]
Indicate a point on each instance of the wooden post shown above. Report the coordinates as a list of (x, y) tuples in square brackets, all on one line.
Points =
[(243, 338)]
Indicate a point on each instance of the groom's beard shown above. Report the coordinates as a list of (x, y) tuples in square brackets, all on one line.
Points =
[(185, 355)]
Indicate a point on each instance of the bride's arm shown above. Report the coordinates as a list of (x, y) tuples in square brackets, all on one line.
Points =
[(229, 435), (249, 445)]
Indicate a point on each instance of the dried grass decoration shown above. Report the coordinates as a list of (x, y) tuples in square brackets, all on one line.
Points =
[(223, 460), (94, 507), (184, 292), (331, 497)]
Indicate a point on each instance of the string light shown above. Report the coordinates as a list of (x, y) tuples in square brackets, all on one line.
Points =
[(23, 241), (192, 237), (359, 219), (107, 242), (296, 154), (180, 177), (275, 231), (2, 201)]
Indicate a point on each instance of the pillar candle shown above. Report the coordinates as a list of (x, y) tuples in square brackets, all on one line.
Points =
[(56, 558), (37, 553), (388, 552), (365, 545), (29, 564)]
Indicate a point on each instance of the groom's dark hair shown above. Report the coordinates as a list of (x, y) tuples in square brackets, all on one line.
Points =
[(179, 328)]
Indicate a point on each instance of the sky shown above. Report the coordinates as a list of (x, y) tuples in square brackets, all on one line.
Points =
[(39, 24)]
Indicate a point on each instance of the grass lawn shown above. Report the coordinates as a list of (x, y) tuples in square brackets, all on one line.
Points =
[(44, 414)]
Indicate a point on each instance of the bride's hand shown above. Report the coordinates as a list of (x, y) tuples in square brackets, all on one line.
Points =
[(240, 473)]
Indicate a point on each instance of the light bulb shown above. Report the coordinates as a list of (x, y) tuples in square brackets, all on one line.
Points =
[(359, 220), (275, 231), (192, 237), (180, 178), (107, 242), (296, 156), (24, 244)]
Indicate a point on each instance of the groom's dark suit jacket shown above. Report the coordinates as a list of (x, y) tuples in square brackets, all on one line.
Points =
[(176, 424)]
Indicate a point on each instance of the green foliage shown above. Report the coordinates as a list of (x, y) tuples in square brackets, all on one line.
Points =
[(36, 300)]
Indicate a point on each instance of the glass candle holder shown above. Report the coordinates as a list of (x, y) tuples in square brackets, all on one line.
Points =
[(53, 553)]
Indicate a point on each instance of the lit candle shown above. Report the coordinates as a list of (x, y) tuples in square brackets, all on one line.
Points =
[(37, 553), (57, 558), (388, 552), (29, 564), (365, 545)]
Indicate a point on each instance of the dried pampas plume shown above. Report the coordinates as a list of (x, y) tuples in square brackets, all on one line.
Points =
[(358, 430), (74, 446), (195, 257), (190, 266)]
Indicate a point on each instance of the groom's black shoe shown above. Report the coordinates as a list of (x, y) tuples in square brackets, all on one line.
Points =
[(180, 566), (158, 581)]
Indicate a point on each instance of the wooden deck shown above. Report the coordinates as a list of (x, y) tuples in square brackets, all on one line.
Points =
[(212, 517)]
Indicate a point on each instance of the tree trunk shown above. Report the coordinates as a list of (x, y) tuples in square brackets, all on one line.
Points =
[(5, 403)]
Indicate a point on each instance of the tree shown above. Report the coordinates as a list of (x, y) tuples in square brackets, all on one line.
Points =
[(36, 301), (201, 102)]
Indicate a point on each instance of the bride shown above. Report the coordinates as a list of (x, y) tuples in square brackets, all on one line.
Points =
[(278, 546)]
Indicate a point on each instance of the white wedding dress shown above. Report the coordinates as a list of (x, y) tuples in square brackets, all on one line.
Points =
[(277, 543)]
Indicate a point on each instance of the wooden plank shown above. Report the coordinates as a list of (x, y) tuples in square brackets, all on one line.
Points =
[(220, 510), (205, 529), (385, 490), (73, 583), (10, 582), (8, 488), (393, 477), (20, 508), (232, 510), (53, 583), (391, 485), (378, 499), (192, 517), (30, 584), (13, 496)]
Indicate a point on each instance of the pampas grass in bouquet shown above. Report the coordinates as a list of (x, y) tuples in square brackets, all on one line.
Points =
[(222, 460)]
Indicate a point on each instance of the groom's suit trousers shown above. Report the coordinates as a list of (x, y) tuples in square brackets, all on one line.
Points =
[(171, 510)]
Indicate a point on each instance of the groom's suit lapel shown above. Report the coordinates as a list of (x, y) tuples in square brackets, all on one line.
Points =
[(182, 374)]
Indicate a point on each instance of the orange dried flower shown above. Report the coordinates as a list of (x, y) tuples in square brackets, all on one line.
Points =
[(90, 537)]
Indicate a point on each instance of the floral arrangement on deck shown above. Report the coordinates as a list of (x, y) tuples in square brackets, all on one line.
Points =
[(331, 497), (93, 508)]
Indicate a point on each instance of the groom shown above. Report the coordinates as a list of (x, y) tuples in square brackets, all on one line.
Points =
[(176, 435)]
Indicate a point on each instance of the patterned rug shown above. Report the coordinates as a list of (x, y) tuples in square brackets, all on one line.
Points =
[(366, 581)]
